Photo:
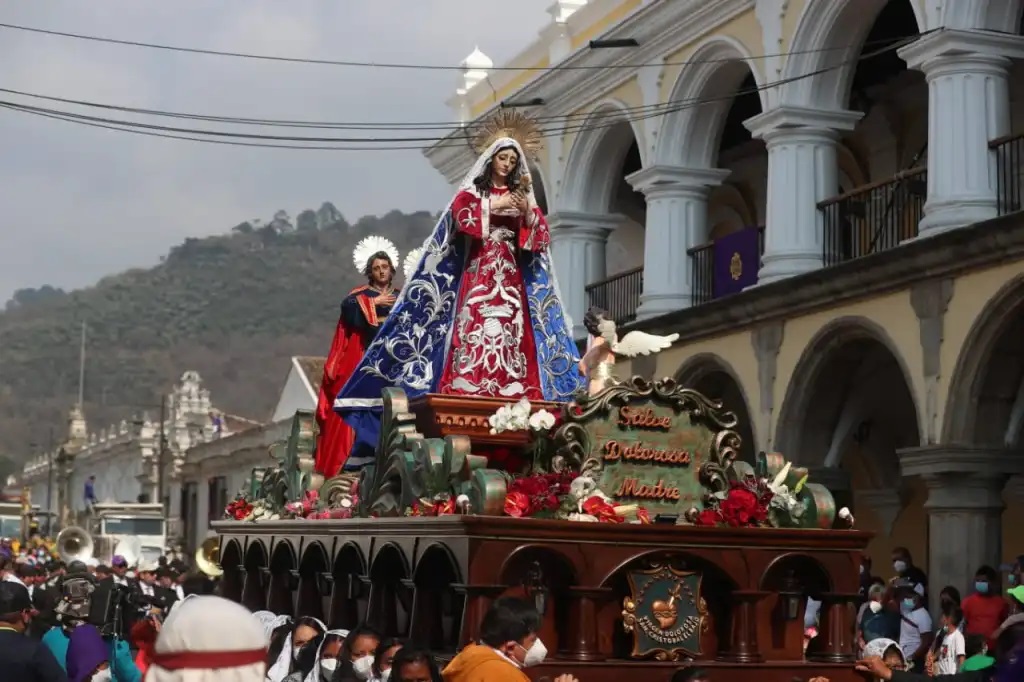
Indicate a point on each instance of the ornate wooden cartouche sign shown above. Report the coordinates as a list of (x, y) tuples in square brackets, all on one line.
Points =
[(651, 443)]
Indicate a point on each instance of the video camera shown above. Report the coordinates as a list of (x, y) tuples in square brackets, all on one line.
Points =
[(109, 606)]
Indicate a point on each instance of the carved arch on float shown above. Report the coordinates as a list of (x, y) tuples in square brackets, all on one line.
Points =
[(231, 559), (827, 41), (257, 565), (284, 565), (803, 381), (524, 552), (314, 562), (968, 377), (437, 608), (690, 136), (702, 365), (802, 565), (348, 567), (597, 154)]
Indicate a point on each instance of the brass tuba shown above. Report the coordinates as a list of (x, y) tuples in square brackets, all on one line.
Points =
[(208, 557), (74, 544)]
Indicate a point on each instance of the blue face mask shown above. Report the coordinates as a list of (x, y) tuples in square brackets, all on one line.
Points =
[(981, 586), (908, 604)]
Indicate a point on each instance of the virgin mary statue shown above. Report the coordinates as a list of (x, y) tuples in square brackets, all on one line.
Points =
[(480, 314)]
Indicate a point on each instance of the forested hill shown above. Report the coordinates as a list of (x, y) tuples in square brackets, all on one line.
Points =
[(234, 307)]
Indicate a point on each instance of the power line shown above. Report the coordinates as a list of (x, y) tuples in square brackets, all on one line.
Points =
[(396, 144), (396, 65)]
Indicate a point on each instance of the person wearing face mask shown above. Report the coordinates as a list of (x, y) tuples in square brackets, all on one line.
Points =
[(23, 659), (906, 571), (88, 656), (878, 619), (319, 658), (509, 642), (355, 661), (288, 642), (916, 633), (384, 659), (985, 609)]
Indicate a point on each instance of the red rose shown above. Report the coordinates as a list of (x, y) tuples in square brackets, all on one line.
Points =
[(443, 507), (517, 504)]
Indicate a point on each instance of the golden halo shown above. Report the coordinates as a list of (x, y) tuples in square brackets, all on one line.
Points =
[(510, 123)]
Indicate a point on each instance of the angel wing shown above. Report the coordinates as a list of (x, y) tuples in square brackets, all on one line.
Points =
[(641, 343)]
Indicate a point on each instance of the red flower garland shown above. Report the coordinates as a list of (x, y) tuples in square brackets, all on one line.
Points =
[(238, 509), (745, 505), (536, 493)]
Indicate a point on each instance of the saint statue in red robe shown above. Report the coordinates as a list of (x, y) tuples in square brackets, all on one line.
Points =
[(363, 311), (493, 349)]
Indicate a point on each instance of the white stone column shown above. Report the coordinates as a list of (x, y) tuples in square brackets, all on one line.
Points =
[(968, 105), (965, 506), (802, 172), (677, 220), (579, 244)]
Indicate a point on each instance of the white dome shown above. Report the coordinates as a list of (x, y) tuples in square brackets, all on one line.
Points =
[(477, 60)]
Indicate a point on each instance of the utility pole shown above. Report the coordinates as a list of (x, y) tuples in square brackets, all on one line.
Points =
[(49, 484), (160, 456)]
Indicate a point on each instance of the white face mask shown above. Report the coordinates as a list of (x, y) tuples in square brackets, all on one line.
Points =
[(328, 666), (102, 676), (363, 667), (875, 606), (536, 654)]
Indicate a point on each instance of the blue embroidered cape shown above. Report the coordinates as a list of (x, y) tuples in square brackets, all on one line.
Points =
[(411, 347)]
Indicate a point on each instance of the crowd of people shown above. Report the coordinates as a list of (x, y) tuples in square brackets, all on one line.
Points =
[(161, 623)]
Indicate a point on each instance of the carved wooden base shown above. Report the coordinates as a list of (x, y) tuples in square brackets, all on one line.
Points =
[(438, 416)]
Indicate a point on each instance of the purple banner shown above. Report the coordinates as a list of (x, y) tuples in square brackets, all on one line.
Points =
[(737, 260)]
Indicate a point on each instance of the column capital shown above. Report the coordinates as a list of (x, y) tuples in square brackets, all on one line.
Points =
[(596, 225), (959, 460), (996, 48), (802, 118), (665, 181)]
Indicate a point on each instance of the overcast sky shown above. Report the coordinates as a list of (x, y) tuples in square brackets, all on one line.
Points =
[(81, 203)]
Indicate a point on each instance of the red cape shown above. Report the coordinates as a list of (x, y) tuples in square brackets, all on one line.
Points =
[(336, 437)]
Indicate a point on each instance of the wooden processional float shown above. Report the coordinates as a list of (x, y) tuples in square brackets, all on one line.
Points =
[(643, 540)]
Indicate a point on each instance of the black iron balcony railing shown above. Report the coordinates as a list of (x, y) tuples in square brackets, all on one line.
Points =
[(873, 218), (619, 294), (1009, 151), (703, 263)]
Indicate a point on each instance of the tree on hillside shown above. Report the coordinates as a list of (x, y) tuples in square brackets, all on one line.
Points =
[(243, 228), (282, 222), (329, 216), (307, 221), (24, 297)]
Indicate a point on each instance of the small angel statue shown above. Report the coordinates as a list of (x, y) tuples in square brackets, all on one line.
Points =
[(604, 346)]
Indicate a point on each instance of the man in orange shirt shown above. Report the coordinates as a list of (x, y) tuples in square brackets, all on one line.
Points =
[(508, 643), (986, 609)]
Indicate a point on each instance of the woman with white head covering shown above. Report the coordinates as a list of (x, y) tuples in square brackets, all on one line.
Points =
[(888, 650), (209, 639), (319, 659), (288, 643)]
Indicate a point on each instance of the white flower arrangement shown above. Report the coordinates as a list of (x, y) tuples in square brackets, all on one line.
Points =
[(520, 417), (782, 498), (261, 513)]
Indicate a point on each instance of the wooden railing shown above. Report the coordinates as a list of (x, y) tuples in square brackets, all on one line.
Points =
[(873, 218), (619, 294), (703, 269), (1009, 151)]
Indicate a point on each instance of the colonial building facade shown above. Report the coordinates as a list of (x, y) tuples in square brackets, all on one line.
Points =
[(125, 458), (822, 198), (215, 471)]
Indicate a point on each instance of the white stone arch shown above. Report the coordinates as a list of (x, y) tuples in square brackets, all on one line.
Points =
[(827, 42), (698, 369), (974, 363), (993, 15), (803, 406), (593, 167), (690, 136)]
